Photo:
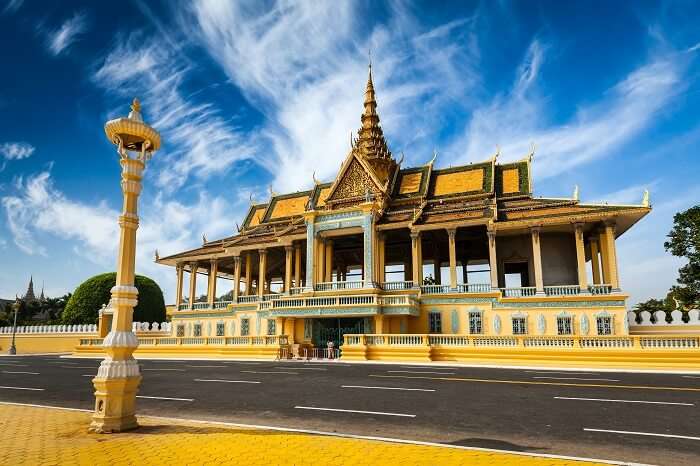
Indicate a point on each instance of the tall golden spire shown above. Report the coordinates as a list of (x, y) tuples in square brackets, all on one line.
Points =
[(370, 144)]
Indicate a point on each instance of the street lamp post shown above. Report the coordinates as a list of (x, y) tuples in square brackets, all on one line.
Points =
[(119, 376), (13, 348)]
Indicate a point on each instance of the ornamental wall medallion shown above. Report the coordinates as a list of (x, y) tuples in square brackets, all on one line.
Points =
[(541, 324), (585, 325), (497, 324)]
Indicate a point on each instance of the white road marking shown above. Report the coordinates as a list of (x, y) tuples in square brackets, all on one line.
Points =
[(20, 372), (354, 411), (577, 378), (390, 388), (164, 398), (624, 401), (691, 376), (227, 381), (24, 388), (562, 372), (270, 372), (425, 372), (206, 366), (179, 370), (648, 434), (305, 368)]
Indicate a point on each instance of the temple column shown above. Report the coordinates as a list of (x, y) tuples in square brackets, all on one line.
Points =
[(610, 256), (236, 277), (493, 261), (178, 285), (368, 240), (280, 325), (381, 249), (288, 251), (328, 268), (581, 258), (379, 324), (193, 283), (261, 271), (310, 254), (291, 323), (451, 234), (595, 261), (297, 265), (437, 262), (321, 272), (604, 262), (248, 273), (211, 284), (537, 259), (417, 256)]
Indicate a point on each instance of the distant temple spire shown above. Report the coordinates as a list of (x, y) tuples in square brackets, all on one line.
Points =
[(29, 295), (41, 296)]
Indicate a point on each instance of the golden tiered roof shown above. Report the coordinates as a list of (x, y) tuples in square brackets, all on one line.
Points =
[(485, 193)]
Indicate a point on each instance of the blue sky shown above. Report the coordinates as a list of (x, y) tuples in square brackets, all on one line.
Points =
[(254, 94)]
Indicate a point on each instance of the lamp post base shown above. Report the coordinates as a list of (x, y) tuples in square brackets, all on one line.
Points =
[(115, 401)]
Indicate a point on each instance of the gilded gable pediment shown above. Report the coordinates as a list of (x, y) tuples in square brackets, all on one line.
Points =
[(354, 183)]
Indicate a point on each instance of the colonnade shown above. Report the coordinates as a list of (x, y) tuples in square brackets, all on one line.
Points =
[(601, 244)]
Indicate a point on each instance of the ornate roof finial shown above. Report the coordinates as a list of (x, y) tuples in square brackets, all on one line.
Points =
[(645, 198), (316, 181), (272, 193), (135, 113), (576, 193), (531, 154), (432, 161), (251, 198), (498, 152), (157, 256), (238, 227), (204, 238)]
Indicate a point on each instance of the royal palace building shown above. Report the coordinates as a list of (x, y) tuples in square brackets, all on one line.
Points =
[(384, 250)]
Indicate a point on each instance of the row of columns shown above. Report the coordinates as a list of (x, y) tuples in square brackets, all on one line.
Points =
[(602, 247)]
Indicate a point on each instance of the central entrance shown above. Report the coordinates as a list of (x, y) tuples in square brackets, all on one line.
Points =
[(334, 328)]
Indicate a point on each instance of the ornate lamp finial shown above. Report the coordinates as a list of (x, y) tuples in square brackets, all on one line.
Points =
[(645, 198), (576, 193)]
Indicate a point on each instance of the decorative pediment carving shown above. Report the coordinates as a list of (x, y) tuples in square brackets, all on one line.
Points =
[(354, 183)]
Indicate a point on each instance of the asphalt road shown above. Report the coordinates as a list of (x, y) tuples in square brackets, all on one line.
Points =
[(646, 418)]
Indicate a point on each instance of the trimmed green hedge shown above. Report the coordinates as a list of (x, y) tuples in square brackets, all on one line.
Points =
[(87, 299)]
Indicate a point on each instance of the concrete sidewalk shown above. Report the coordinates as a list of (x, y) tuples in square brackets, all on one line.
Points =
[(52, 436)]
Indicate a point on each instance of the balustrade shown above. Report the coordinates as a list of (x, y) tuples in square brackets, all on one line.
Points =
[(600, 289), (435, 289), (332, 286), (519, 292), (474, 288), (393, 286), (562, 290), (247, 299)]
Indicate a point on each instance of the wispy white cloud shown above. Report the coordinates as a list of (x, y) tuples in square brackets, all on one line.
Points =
[(38, 208), (520, 117), (198, 141), (305, 66), (12, 6), (60, 39), (16, 150)]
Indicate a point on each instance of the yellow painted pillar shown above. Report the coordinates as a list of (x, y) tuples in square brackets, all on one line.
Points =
[(379, 324), (297, 265), (248, 273), (417, 275), (381, 249), (236, 277), (451, 234), (291, 325), (611, 256), (280, 326), (288, 256), (604, 262), (261, 271), (321, 274), (595, 262), (537, 259), (581, 258), (493, 259), (211, 285), (328, 269), (193, 283), (178, 287), (118, 376)]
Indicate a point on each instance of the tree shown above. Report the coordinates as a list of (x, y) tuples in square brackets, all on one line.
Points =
[(87, 299), (684, 241)]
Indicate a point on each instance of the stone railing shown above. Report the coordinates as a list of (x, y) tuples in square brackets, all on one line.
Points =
[(152, 327), (434, 289), (519, 292), (660, 319), (393, 286), (267, 340), (326, 301), (562, 290), (253, 298), (333, 286), (544, 342), (55, 329), (474, 288), (600, 289)]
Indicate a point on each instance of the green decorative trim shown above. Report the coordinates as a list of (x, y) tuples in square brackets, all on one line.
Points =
[(523, 179), (421, 188), (251, 211), (465, 300), (401, 311), (339, 216), (199, 315), (540, 304), (486, 182), (317, 192)]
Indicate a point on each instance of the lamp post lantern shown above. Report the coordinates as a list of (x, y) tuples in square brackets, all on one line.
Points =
[(118, 377)]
